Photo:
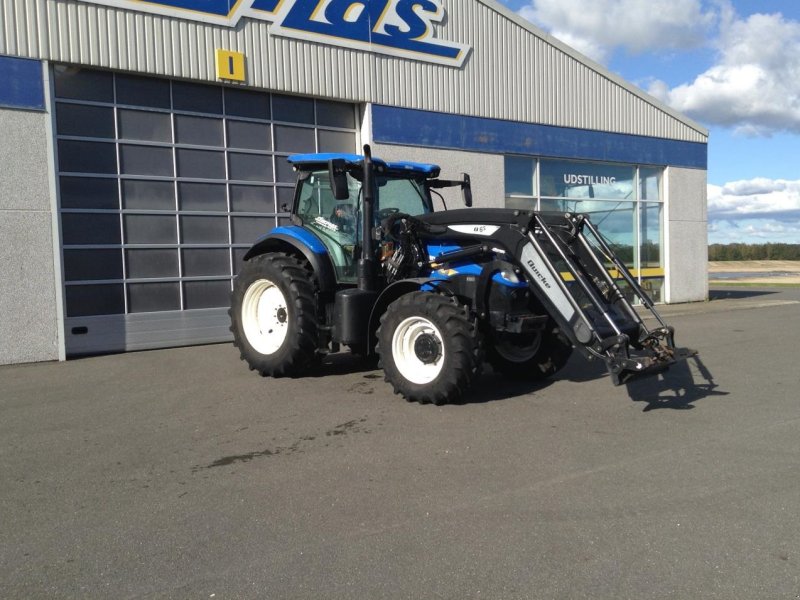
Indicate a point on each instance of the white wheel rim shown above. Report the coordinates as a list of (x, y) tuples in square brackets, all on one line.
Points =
[(265, 316), (405, 358)]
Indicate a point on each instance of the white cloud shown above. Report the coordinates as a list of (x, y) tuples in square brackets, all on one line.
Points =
[(754, 198), (754, 211), (755, 85), (597, 27)]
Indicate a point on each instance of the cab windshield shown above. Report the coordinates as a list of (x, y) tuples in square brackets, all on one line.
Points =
[(338, 222)]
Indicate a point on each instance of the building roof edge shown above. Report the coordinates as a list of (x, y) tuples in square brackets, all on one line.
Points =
[(582, 58)]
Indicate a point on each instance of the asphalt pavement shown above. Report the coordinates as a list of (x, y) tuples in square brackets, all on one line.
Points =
[(180, 474)]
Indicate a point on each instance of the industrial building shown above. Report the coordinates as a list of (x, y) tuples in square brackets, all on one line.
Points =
[(144, 148)]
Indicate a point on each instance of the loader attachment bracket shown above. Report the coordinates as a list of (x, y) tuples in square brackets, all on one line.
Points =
[(569, 262)]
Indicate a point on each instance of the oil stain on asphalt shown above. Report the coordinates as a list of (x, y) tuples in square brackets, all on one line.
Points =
[(353, 426)]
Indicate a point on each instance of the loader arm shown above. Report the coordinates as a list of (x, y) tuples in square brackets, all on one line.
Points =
[(561, 256)]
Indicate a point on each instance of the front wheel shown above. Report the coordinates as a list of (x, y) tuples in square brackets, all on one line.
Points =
[(273, 316), (430, 349), (531, 356)]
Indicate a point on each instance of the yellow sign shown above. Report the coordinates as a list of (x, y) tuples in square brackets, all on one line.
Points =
[(230, 65)]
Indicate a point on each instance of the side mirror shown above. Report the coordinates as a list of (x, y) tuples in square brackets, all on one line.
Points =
[(466, 190), (337, 172)]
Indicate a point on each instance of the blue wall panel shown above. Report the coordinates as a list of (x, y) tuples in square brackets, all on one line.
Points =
[(21, 84), (439, 130)]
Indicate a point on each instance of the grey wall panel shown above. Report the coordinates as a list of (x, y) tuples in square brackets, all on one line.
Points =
[(514, 72), (487, 172), (686, 233), (28, 313)]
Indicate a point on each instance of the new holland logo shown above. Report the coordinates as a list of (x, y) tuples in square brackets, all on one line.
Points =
[(395, 27)]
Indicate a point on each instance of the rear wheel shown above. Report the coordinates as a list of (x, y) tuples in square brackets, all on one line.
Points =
[(530, 356), (273, 317), (429, 348)]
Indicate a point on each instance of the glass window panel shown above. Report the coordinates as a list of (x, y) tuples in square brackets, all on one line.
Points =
[(519, 203), (285, 199), (285, 171), (250, 167), (238, 259), (199, 262), (204, 230), (143, 91), (650, 184), (335, 114), (568, 179), (247, 230), (144, 263), (336, 141), (149, 229), (87, 157), (248, 135), (198, 130), (550, 205), (148, 195), (145, 126), (202, 164), (86, 121), (250, 198), (616, 222), (85, 300), (651, 227), (207, 294), (194, 97), (145, 160), (244, 103), (83, 84), (294, 139), (86, 192), (292, 109), (654, 287), (153, 297), (519, 176), (85, 265), (86, 229), (202, 196)]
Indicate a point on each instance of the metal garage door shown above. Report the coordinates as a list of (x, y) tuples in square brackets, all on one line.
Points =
[(163, 185)]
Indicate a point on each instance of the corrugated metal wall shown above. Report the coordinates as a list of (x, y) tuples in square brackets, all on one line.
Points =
[(512, 73)]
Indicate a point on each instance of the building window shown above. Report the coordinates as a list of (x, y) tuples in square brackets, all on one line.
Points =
[(520, 178), (624, 201)]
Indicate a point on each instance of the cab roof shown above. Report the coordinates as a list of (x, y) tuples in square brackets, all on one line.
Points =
[(309, 162)]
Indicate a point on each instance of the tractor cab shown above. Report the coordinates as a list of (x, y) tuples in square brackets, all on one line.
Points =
[(329, 200)]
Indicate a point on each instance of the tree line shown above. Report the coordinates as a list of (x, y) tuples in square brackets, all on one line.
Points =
[(754, 252)]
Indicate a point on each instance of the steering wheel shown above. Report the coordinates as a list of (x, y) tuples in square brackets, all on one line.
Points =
[(385, 213)]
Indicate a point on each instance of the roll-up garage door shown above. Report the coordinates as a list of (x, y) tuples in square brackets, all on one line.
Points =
[(163, 185)]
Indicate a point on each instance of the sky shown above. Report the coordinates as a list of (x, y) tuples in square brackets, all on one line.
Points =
[(731, 65)]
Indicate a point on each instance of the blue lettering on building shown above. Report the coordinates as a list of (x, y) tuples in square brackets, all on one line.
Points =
[(402, 28)]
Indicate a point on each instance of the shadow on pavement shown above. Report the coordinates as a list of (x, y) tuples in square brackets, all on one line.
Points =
[(736, 294), (342, 363), (491, 386), (678, 388)]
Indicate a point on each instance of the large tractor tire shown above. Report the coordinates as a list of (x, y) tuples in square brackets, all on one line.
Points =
[(530, 357), (430, 350), (273, 315)]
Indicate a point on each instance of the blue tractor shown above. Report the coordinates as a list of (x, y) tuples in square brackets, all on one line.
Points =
[(368, 264)]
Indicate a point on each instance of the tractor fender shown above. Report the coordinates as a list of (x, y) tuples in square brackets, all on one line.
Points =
[(303, 244), (392, 292)]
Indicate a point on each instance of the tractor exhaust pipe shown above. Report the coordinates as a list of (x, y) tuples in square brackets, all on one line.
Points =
[(367, 277)]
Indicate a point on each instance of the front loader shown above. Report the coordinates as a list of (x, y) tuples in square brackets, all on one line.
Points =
[(367, 264)]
